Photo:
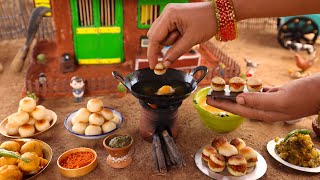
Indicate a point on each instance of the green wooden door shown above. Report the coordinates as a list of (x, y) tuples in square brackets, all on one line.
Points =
[(97, 31)]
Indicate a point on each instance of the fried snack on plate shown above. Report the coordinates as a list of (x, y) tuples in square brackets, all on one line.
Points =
[(10, 172), (207, 151), (238, 143), (216, 163), (32, 146), (31, 167), (237, 165), (11, 146)]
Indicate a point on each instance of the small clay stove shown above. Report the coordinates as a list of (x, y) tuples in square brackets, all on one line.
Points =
[(154, 118), (158, 125)]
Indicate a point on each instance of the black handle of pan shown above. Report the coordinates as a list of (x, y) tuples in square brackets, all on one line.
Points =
[(204, 71), (120, 78)]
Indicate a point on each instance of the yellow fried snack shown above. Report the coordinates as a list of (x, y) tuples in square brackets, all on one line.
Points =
[(33, 166), (32, 146), (8, 161), (10, 146), (10, 172), (165, 90), (43, 162)]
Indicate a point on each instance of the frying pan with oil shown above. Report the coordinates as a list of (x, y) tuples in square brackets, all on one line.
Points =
[(144, 83)]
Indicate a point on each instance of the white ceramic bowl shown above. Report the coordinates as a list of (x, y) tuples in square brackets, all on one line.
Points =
[(68, 126)]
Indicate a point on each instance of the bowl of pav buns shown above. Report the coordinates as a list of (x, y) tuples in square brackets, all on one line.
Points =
[(94, 121), (216, 119), (30, 120)]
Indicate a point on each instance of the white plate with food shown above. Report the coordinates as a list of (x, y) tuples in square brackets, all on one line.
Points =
[(116, 115), (252, 173), (4, 122), (271, 147), (31, 149)]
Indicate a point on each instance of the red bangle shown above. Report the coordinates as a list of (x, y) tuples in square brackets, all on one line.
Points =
[(226, 20)]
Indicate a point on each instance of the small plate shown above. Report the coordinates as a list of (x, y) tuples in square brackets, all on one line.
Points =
[(252, 173), (271, 147), (5, 121), (68, 126), (46, 150)]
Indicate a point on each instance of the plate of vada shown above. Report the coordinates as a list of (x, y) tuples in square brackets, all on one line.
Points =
[(37, 153), (94, 121), (30, 120), (230, 160)]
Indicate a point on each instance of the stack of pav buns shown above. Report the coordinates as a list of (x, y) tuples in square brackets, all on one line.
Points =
[(29, 119), (236, 84), (235, 155), (95, 119)]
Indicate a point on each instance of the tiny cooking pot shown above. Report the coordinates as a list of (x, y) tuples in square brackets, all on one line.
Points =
[(147, 77)]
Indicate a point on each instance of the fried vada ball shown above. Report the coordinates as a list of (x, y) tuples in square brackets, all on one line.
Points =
[(43, 162), (27, 104), (8, 161), (82, 115), (10, 172), (95, 105), (107, 114), (96, 119), (32, 166), (10, 146), (93, 130), (39, 112), (19, 118), (26, 130), (32, 146), (11, 129)]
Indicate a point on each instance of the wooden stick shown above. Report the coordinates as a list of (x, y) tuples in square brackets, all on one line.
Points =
[(108, 12), (165, 152), (102, 12), (155, 159), (159, 153), (173, 148), (90, 11), (80, 12), (112, 12)]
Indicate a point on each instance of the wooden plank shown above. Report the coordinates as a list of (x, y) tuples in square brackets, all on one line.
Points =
[(80, 12), (90, 12), (102, 12), (112, 12), (108, 13)]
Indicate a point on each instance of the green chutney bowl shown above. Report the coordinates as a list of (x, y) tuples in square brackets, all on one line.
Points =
[(213, 118)]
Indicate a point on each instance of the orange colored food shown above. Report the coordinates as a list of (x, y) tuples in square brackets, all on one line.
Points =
[(77, 160), (166, 89), (202, 103), (236, 85)]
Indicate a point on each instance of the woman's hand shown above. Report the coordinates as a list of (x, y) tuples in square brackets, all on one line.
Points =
[(294, 100), (180, 26)]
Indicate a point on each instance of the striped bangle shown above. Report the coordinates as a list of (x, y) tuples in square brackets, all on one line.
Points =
[(226, 20)]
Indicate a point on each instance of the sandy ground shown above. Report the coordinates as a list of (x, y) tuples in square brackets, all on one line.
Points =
[(261, 48)]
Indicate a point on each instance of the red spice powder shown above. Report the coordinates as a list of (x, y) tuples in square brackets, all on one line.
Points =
[(77, 160)]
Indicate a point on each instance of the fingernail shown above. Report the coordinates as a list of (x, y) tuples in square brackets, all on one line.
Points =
[(240, 100)]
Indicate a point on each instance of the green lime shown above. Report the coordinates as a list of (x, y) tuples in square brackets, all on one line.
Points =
[(121, 88), (41, 58)]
